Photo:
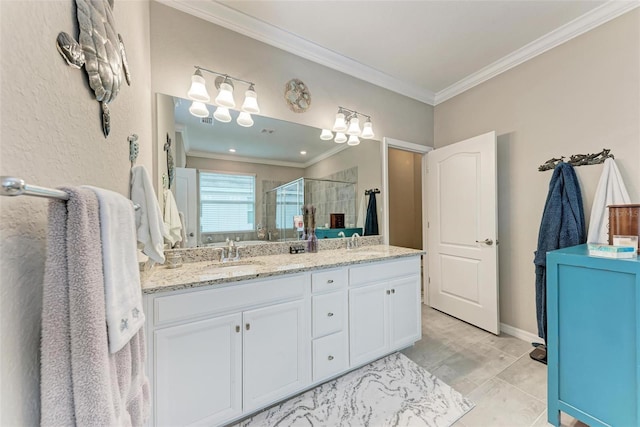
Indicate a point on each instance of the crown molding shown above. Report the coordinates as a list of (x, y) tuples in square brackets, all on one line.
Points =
[(239, 22), (578, 26), (216, 156)]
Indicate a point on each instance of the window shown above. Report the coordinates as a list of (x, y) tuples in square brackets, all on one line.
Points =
[(227, 202)]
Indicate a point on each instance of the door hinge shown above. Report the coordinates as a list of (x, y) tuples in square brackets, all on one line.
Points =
[(429, 279)]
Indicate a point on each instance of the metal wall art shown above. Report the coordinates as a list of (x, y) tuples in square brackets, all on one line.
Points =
[(578, 160), (297, 95), (100, 49)]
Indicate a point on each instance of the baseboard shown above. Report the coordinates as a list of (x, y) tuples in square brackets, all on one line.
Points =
[(519, 333)]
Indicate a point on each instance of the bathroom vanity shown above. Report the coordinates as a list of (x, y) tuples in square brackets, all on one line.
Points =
[(226, 340)]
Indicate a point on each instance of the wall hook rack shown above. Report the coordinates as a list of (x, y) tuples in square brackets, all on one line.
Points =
[(578, 160)]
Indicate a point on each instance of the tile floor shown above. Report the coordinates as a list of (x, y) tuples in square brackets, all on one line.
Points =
[(496, 372)]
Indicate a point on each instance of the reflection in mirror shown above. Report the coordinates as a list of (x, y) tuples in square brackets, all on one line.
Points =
[(245, 184)]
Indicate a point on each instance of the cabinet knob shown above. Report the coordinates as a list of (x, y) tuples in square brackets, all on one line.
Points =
[(237, 328), (393, 291), (388, 292), (247, 326), (330, 281), (330, 357), (330, 314)]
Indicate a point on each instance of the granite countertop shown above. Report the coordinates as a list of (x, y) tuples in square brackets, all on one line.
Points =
[(206, 273)]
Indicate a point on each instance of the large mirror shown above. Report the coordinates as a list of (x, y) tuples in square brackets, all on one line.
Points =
[(247, 183)]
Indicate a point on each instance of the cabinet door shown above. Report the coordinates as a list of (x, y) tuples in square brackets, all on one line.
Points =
[(404, 313), (368, 323), (277, 362), (198, 372)]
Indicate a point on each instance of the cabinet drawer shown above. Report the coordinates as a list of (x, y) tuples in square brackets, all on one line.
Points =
[(376, 272), (193, 304), (329, 313), (330, 355), (329, 280)]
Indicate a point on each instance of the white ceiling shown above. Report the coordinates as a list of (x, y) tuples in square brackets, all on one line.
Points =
[(428, 50)]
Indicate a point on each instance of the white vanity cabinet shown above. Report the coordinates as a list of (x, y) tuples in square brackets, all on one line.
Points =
[(384, 308), (219, 353), (218, 357)]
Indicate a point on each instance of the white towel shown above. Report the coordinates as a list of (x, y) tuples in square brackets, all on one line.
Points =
[(149, 220), (122, 291), (611, 191), (171, 219), (361, 213)]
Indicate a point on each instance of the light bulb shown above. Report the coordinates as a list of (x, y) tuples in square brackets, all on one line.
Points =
[(354, 127), (244, 119), (340, 125), (198, 90), (341, 138), (250, 104), (353, 140), (222, 115), (367, 131), (225, 96), (199, 109), (326, 135)]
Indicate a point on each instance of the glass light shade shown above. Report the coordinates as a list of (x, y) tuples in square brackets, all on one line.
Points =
[(341, 138), (367, 130), (250, 104), (244, 119), (225, 96), (199, 109), (198, 90), (326, 135), (354, 127), (353, 140), (222, 115), (340, 125)]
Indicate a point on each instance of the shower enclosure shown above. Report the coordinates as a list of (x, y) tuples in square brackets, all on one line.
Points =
[(328, 197)]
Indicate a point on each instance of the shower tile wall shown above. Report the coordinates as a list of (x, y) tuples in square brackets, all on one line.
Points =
[(332, 197)]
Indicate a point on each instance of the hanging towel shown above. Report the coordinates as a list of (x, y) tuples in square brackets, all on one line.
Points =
[(171, 219), (562, 225), (122, 289), (81, 383), (183, 231), (149, 222), (611, 191), (371, 225), (361, 213)]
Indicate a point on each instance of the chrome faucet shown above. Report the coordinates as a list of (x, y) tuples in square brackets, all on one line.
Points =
[(227, 252), (341, 234), (355, 241)]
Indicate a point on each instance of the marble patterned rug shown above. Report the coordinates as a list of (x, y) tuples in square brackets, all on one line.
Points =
[(392, 391)]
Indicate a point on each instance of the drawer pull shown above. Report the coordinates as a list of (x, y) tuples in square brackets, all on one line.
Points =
[(330, 357), (330, 281), (247, 326), (330, 314), (388, 292)]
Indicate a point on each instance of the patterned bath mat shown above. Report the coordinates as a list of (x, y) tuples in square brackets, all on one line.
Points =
[(392, 391)]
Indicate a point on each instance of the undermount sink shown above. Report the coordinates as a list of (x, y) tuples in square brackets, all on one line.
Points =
[(234, 265)]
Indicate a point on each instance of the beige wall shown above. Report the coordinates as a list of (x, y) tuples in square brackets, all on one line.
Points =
[(577, 98), (405, 199), (180, 41), (50, 130)]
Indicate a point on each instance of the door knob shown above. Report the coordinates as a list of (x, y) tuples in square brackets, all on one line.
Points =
[(487, 242)]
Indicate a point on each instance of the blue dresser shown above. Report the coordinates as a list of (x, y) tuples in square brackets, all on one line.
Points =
[(593, 339)]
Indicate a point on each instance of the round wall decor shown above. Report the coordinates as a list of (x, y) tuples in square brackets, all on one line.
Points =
[(297, 95)]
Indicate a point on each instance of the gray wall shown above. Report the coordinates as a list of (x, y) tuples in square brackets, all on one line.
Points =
[(577, 98), (51, 135)]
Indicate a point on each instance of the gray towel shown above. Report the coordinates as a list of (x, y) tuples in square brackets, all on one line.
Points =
[(81, 382)]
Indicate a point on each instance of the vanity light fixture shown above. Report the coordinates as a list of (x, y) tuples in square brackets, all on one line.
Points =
[(326, 135), (353, 140), (224, 100), (348, 122)]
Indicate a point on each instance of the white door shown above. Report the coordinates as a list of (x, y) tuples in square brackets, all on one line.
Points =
[(277, 360), (463, 231), (198, 372), (186, 187), (404, 312), (368, 322)]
